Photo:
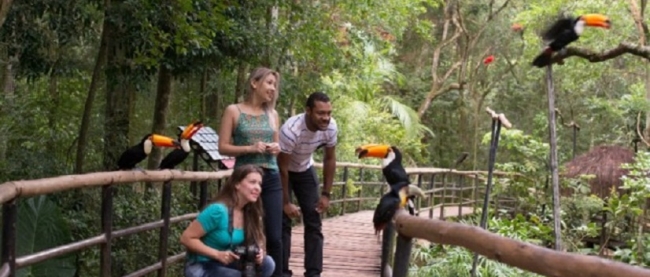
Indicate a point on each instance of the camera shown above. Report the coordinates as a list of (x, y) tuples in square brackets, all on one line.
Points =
[(247, 255)]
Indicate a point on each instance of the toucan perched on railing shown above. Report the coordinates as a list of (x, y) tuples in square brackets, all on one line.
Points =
[(395, 175), (178, 155), (135, 154), (566, 30)]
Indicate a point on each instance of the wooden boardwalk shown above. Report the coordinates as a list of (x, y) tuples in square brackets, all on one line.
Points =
[(351, 247)]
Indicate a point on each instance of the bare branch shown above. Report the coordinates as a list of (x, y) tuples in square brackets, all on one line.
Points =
[(638, 129), (5, 6), (594, 57), (493, 14)]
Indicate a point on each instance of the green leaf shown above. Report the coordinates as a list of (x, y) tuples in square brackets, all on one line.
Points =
[(40, 226)]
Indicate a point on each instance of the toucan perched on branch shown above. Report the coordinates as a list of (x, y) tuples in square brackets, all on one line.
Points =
[(396, 177), (567, 30), (177, 156), (140, 151)]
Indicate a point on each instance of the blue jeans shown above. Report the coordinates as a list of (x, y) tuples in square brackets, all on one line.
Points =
[(272, 202), (217, 269)]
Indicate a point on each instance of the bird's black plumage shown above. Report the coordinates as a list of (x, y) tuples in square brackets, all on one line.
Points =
[(557, 36), (174, 158), (394, 171), (179, 154), (133, 155), (388, 205)]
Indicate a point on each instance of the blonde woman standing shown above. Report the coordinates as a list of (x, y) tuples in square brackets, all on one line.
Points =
[(249, 132)]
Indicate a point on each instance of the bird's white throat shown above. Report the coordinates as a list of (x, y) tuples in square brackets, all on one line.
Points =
[(148, 145), (185, 144), (389, 159), (579, 27)]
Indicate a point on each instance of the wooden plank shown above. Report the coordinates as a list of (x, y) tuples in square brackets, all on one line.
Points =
[(350, 246)]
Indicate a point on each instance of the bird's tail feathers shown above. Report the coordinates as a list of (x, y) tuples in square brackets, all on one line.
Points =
[(543, 59)]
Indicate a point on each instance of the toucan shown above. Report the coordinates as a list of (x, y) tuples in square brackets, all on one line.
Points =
[(140, 151), (566, 30), (391, 161), (397, 196), (179, 154)]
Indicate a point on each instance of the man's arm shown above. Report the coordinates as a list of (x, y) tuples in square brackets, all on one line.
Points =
[(283, 163), (329, 168)]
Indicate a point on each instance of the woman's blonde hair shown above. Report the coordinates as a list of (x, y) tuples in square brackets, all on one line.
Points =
[(259, 74), (253, 211)]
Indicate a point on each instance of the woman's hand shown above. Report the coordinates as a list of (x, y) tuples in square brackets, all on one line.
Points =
[(273, 148), (260, 257), (226, 257), (258, 147)]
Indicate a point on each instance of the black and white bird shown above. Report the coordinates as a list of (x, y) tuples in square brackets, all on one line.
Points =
[(179, 154), (566, 30), (137, 153)]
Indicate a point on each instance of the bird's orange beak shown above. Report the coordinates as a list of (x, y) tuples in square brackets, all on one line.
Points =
[(373, 150), (597, 20), (163, 141), (191, 129)]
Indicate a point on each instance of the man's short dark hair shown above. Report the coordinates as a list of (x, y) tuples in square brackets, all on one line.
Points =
[(316, 96)]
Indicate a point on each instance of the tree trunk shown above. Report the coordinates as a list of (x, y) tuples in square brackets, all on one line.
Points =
[(119, 91), (8, 88), (90, 98), (5, 6), (50, 145), (213, 101), (240, 88), (163, 95)]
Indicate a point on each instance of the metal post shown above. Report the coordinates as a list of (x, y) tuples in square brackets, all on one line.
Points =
[(387, 247), (402, 256), (344, 189), (496, 130), (164, 231), (107, 229), (9, 216)]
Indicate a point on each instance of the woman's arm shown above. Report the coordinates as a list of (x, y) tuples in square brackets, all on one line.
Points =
[(225, 134), (191, 239)]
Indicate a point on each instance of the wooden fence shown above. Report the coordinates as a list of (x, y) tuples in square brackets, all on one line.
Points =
[(444, 193)]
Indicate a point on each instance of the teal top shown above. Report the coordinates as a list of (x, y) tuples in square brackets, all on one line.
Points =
[(249, 130), (214, 220)]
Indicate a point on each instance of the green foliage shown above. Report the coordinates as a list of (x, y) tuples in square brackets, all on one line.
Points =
[(452, 261), (40, 225)]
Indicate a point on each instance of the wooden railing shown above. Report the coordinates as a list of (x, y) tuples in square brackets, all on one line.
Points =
[(526, 256), (443, 193)]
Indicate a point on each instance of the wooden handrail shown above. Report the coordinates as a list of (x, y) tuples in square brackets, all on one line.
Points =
[(25, 188), (516, 253)]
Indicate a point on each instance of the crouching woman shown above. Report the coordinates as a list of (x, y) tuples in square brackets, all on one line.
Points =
[(233, 219)]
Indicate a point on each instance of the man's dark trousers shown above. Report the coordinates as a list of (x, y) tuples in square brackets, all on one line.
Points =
[(305, 189)]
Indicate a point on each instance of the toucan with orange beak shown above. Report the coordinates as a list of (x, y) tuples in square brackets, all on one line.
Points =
[(395, 174), (135, 154), (179, 154), (567, 30)]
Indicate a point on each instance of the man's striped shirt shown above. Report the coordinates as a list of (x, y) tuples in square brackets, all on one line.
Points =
[(300, 143)]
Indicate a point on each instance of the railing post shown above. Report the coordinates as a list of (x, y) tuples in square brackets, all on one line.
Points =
[(402, 256), (164, 231), (444, 196), (195, 167), (460, 194), (9, 216), (107, 229), (359, 192), (386, 248), (344, 189), (432, 196), (203, 194), (417, 206)]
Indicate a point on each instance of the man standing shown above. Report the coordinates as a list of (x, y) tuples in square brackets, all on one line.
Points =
[(300, 136)]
